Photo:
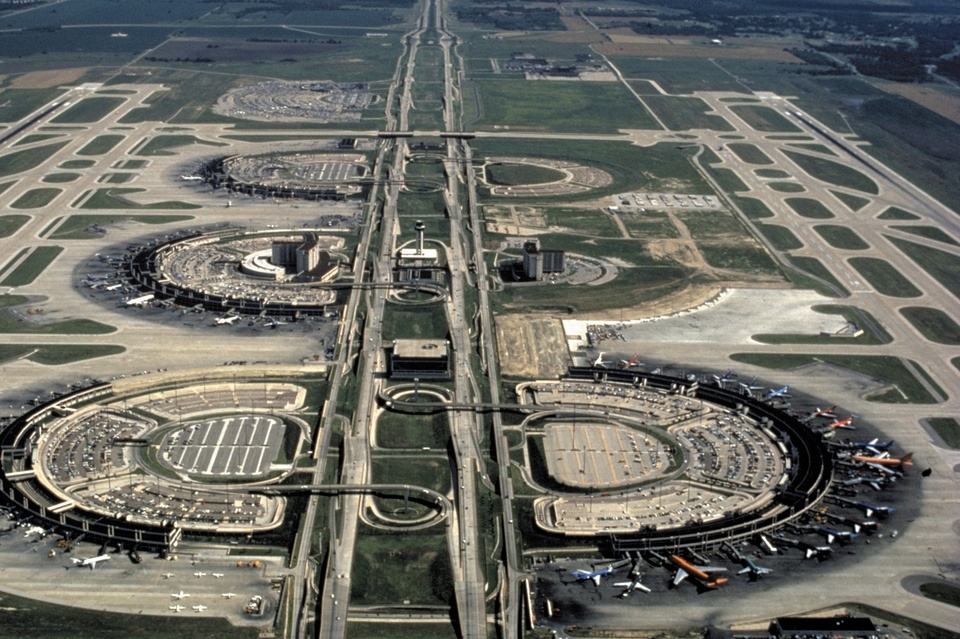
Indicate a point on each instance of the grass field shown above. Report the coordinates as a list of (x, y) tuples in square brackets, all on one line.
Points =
[(10, 224), (60, 178), (765, 119), (852, 202), (930, 232), (786, 187), (77, 164), (772, 173), (841, 237), (816, 148), (884, 277), (883, 368), (30, 268), (100, 145), (76, 227), (896, 213), (37, 137), (584, 107), (161, 144), (116, 178), (114, 199), (419, 569), (753, 208), (88, 110), (933, 324), (833, 172), (750, 153), (948, 428), (35, 198), (780, 237), (424, 321), (683, 114), (750, 259), (815, 267), (19, 103), (10, 324), (809, 208), (508, 174), (942, 266), (397, 430), (648, 225), (56, 354), (26, 159), (586, 222), (677, 75)]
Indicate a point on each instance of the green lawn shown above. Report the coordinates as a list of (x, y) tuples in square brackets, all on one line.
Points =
[(762, 118), (26, 159), (584, 107), (833, 172), (809, 208), (884, 277), (60, 178), (815, 268), (933, 324), (780, 237), (750, 153), (57, 354), (113, 199), (162, 144), (948, 428), (930, 232), (753, 208), (100, 144), (841, 237), (787, 187), (35, 198), (852, 202), (683, 114), (896, 213), (30, 268), (19, 103), (942, 266), (77, 164), (508, 174), (88, 110), (10, 224)]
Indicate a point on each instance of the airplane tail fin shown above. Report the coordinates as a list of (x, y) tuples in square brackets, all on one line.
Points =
[(907, 460)]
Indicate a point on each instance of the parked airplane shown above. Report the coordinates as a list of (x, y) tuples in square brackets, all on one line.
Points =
[(191, 178), (272, 323), (595, 575), (856, 525), (701, 574), (630, 363), (140, 301), (869, 509), (874, 445), (832, 535), (883, 459), (92, 561), (631, 586), (818, 552), (767, 545), (777, 392), (755, 571), (180, 595), (178, 608), (600, 362), (842, 423), (229, 595), (167, 575), (226, 319), (821, 412), (199, 574), (720, 380), (199, 608), (749, 389), (217, 575)]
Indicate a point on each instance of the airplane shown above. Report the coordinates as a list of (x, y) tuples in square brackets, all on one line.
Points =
[(755, 571), (167, 575), (876, 483), (853, 523), (811, 551), (229, 595), (272, 323), (699, 573), (719, 380), (178, 608), (199, 608), (92, 561), (833, 535), (140, 301), (777, 392), (748, 389), (767, 545), (217, 575), (821, 412), (869, 509), (881, 461), (631, 586), (630, 363), (874, 445), (180, 595), (595, 575), (227, 319), (842, 423), (599, 362), (191, 178), (199, 574)]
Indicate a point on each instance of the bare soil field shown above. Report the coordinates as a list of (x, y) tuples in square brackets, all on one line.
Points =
[(531, 347), (932, 98), (47, 79)]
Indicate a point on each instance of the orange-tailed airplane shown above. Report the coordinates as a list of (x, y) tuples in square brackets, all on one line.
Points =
[(884, 460), (701, 574), (842, 423)]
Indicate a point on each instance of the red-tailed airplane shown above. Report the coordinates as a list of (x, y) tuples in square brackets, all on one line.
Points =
[(630, 363), (700, 574), (884, 460), (843, 423), (823, 412)]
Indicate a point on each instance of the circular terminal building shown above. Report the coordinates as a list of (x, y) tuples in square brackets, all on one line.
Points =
[(140, 461), (275, 273), (651, 462)]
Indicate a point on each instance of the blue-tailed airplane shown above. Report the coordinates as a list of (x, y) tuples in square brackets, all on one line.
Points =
[(594, 575), (777, 392), (832, 535)]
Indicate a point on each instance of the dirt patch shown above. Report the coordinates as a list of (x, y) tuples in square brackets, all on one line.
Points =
[(930, 97), (47, 79), (690, 296), (681, 251), (531, 347), (680, 49)]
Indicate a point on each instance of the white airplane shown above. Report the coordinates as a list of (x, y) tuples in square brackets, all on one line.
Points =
[(91, 561), (594, 575), (140, 301), (229, 595), (180, 595), (777, 392), (199, 574), (226, 319), (199, 608), (599, 362), (631, 586), (272, 323), (178, 608), (167, 575), (217, 575), (191, 178)]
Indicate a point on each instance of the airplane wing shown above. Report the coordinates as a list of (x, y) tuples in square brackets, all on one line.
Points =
[(709, 569), (640, 586), (596, 579)]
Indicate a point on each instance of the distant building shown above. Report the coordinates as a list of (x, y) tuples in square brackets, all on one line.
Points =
[(836, 627), (537, 263), (419, 359), (419, 263), (305, 258)]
